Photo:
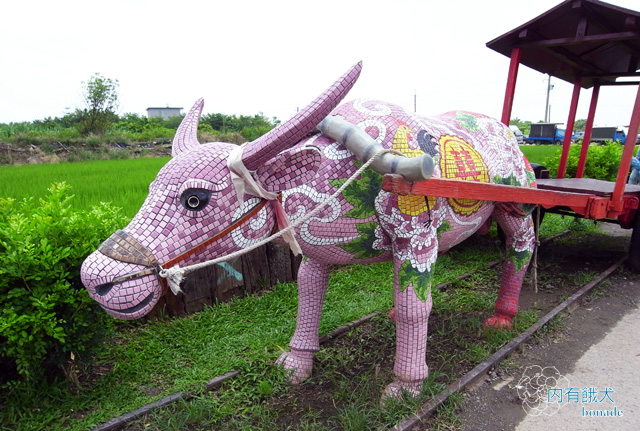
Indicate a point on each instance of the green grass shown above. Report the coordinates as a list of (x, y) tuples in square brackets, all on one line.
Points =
[(164, 357), (148, 360), (540, 153), (124, 183)]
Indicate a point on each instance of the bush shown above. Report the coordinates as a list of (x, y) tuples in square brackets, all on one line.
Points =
[(253, 133), (48, 318), (603, 161)]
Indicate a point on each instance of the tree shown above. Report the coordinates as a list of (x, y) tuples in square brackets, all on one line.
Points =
[(101, 101), (579, 125), (524, 126)]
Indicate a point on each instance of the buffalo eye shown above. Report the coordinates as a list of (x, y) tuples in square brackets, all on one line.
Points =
[(195, 199)]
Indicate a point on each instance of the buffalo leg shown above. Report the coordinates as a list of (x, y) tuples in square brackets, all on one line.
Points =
[(313, 278), (520, 240), (411, 316)]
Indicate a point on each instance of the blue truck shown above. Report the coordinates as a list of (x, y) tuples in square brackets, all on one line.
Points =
[(545, 133), (604, 134)]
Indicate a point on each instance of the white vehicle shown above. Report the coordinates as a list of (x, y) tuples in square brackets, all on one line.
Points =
[(518, 133)]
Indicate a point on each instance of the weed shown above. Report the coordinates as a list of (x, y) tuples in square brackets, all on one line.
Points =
[(264, 389), (602, 290), (553, 326), (354, 418), (477, 353), (581, 278), (447, 417)]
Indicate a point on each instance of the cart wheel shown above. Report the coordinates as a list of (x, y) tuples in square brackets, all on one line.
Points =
[(633, 259)]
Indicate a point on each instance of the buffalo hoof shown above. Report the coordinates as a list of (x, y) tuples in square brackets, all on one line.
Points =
[(297, 364), (392, 315), (398, 389), (499, 322)]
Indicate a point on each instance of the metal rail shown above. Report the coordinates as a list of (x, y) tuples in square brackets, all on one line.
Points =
[(120, 421)]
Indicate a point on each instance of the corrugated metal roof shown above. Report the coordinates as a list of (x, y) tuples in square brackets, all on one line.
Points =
[(588, 38)]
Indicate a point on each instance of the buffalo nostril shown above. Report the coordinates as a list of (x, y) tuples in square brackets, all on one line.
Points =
[(104, 289)]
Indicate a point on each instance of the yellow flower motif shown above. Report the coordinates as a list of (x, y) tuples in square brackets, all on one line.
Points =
[(461, 161), (411, 205)]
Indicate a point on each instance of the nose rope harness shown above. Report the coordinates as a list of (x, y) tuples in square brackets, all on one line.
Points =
[(243, 182), (175, 274)]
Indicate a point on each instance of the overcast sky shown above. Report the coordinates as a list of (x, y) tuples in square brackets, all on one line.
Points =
[(273, 57)]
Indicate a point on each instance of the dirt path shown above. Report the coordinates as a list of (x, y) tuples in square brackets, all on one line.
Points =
[(597, 347)]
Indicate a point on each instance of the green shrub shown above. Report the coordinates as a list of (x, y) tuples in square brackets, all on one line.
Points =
[(253, 133), (603, 161), (25, 139), (93, 141), (204, 128), (70, 134), (47, 317)]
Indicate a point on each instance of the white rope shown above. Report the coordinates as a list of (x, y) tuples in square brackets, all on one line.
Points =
[(175, 275), (244, 182)]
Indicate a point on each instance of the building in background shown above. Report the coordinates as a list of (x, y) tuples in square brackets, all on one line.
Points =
[(165, 113)]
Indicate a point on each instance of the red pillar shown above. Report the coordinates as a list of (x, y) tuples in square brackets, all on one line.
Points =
[(627, 153), (511, 85), (586, 139), (566, 145)]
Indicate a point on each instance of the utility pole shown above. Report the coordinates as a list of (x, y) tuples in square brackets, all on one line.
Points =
[(547, 111), (415, 100)]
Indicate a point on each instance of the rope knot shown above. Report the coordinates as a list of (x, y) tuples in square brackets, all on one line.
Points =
[(174, 277)]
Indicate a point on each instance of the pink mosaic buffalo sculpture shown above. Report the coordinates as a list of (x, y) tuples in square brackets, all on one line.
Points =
[(214, 199)]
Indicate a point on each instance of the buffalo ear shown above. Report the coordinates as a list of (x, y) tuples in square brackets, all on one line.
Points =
[(289, 169)]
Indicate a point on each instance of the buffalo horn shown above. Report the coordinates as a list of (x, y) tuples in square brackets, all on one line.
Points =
[(287, 134)]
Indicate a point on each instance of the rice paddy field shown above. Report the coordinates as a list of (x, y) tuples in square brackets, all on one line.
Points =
[(124, 183)]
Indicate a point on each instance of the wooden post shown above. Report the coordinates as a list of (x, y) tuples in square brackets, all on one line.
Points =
[(566, 145), (627, 153), (511, 85), (586, 139)]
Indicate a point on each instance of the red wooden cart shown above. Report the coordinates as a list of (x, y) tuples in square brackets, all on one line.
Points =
[(590, 44)]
